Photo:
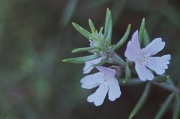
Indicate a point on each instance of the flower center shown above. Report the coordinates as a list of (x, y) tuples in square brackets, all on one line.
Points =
[(144, 58), (106, 80)]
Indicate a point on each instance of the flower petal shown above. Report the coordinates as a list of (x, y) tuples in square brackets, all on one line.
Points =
[(87, 68), (107, 71), (114, 89), (91, 43), (89, 65), (143, 73), (133, 48), (155, 46), (159, 64), (99, 96), (91, 81)]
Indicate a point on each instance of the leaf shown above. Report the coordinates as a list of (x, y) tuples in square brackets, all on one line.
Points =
[(117, 9), (107, 21), (94, 4), (82, 49), (119, 60), (164, 106), (141, 30), (146, 38), (100, 31), (68, 12), (108, 27), (83, 31), (153, 20), (127, 74), (123, 39), (176, 110), (141, 101), (91, 25), (171, 14), (133, 81), (79, 60), (161, 78)]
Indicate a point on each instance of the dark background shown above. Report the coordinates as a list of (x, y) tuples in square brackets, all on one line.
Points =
[(36, 35)]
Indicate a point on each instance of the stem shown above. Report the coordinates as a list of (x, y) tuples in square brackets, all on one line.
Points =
[(119, 60), (167, 87)]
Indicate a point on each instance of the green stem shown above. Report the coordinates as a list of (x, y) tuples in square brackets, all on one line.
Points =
[(167, 87), (117, 59)]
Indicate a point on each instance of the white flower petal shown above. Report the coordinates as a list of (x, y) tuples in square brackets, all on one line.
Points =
[(159, 64), (91, 43), (155, 46), (91, 81), (133, 48), (107, 71), (99, 96), (89, 65), (114, 89), (87, 68), (143, 72)]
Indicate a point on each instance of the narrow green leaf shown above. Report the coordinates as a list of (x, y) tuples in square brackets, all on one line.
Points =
[(166, 85), (162, 78), (106, 28), (164, 106), (141, 31), (176, 110), (101, 30), (109, 34), (119, 60), (94, 4), (91, 25), (172, 14), (117, 9), (82, 49), (79, 60), (133, 81), (123, 39), (141, 101), (68, 12), (81, 30), (127, 74), (146, 40)]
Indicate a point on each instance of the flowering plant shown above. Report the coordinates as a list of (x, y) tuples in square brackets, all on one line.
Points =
[(138, 61)]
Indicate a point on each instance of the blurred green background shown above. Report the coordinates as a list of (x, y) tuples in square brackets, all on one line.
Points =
[(36, 35)]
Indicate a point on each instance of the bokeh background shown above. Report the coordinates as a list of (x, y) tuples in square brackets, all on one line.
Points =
[(36, 35)]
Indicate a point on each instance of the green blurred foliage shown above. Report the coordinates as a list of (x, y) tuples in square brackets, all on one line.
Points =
[(36, 35)]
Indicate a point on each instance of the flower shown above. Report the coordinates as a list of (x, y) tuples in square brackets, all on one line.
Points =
[(107, 83), (89, 65), (143, 57)]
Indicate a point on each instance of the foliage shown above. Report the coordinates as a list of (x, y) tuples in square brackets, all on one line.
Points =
[(35, 36)]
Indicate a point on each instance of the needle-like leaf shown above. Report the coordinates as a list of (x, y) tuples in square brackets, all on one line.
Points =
[(83, 31), (141, 101), (82, 49), (123, 39), (79, 60), (176, 110), (164, 106), (141, 31)]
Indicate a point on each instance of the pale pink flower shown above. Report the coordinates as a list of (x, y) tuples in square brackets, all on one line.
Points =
[(89, 65), (143, 57), (107, 83)]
